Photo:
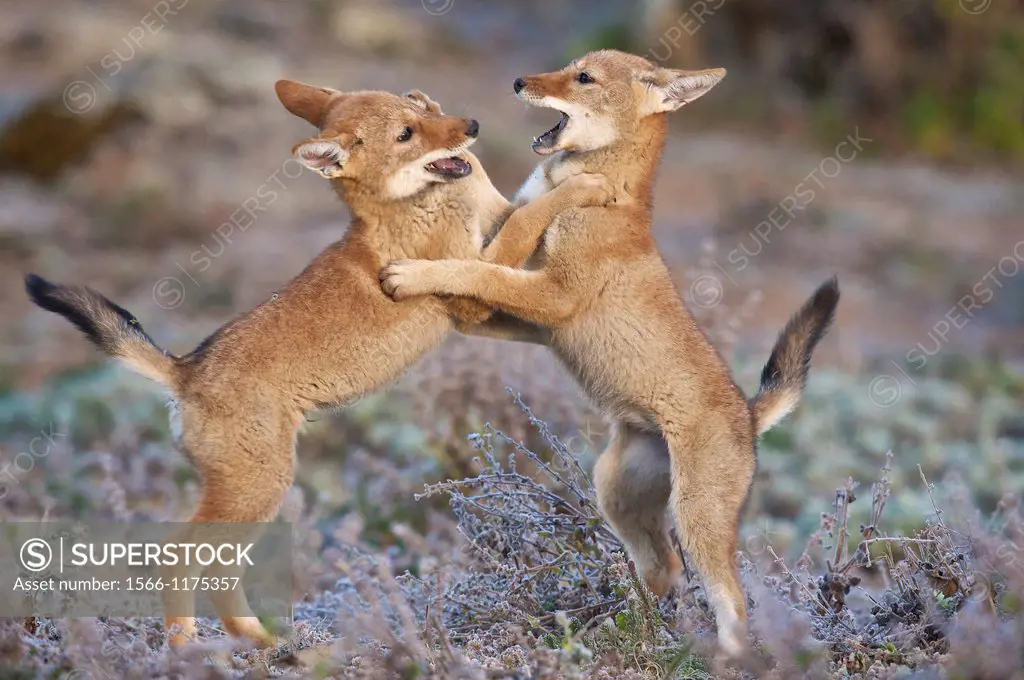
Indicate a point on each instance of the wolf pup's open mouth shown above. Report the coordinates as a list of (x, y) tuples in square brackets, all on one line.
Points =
[(546, 142), (450, 168)]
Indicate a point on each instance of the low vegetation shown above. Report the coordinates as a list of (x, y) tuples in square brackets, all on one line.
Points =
[(881, 542)]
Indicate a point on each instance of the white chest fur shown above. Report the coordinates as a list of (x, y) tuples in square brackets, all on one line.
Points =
[(546, 176), (535, 186)]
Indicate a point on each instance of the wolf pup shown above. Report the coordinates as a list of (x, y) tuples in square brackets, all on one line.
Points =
[(684, 432), (414, 190)]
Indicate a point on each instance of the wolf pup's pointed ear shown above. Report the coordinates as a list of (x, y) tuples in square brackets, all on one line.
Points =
[(423, 100), (670, 89), (305, 101), (325, 155)]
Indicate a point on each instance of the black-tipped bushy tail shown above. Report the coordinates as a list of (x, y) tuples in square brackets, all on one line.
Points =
[(784, 376), (110, 327)]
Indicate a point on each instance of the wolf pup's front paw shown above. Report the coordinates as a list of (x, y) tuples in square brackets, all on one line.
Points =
[(404, 279), (590, 189)]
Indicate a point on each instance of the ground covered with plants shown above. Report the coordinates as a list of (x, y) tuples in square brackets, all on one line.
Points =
[(881, 541)]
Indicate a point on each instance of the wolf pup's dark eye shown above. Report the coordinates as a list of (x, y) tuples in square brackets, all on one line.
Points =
[(584, 78), (406, 134)]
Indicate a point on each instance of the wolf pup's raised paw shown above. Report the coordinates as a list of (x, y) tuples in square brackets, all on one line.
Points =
[(403, 279), (589, 189)]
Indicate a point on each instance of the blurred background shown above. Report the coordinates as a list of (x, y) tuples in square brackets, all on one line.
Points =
[(143, 152)]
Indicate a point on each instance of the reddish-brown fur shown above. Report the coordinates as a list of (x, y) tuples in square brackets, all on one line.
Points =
[(684, 432), (330, 334)]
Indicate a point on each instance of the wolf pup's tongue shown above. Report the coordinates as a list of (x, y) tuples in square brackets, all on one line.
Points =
[(450, 167)]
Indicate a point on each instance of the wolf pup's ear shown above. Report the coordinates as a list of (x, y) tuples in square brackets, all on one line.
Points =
[(305, 101), (423, 100), (325, 155), (669, 89)]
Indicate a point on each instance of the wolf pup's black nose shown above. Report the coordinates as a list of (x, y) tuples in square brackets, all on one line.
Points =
[(518, 85), (474, 128)]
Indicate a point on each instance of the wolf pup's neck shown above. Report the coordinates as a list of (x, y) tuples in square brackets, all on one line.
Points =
[(631, 162), (364, 205)]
